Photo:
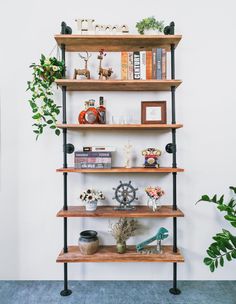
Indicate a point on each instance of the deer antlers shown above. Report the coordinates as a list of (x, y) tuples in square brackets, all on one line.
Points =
[(84, 58)]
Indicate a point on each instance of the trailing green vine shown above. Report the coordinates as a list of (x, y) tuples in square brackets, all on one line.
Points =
[(224, 245), (45, 110), (150, 23)]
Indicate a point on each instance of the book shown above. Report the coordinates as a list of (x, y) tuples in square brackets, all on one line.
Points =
[(163, 58), (159, 63), (99, 149), (92, 154), (124, 65), (93, 166), (143, 65), (154, 64), (130, 66), (136, 61), (96, 160), (148, 64)]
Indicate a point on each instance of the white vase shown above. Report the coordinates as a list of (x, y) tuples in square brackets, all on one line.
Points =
[(91, 206), (152, 32)]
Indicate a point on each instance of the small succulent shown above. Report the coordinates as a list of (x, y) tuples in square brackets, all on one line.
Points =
[(149, 23)]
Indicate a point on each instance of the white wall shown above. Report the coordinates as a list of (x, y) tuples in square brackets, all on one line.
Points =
[(31, 190)]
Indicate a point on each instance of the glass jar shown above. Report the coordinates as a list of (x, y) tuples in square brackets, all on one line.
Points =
[(153, 203)]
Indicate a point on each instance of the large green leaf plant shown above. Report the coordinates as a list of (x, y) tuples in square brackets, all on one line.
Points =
[(45, 110), (224, 245)]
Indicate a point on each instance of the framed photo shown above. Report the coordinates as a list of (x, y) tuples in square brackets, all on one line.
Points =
[(153, 112)]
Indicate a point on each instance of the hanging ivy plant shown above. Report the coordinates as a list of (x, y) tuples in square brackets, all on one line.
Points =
[(45, 110)]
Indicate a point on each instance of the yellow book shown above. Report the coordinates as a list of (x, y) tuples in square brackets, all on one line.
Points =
[(124, 65)]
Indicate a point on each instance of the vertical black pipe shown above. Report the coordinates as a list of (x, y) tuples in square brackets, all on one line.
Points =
[(174, 290), (65, 291)]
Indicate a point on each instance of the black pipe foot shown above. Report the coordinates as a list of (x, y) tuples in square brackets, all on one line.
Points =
[(65, 292), (175, 291)]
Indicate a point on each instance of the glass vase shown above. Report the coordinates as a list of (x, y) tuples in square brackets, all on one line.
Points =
[(154, 204)]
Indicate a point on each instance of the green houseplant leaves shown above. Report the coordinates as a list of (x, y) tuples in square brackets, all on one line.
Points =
[(224, 245), (45, 110), (149, 23)]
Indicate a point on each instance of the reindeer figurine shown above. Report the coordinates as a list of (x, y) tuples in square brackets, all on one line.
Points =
[(103, 73), (83, 72)]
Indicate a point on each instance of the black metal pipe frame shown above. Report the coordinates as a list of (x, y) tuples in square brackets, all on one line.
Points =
[(174, 289), (65, 291)]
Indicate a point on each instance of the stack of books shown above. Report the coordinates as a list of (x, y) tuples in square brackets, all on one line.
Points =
[(144, 65), (94, 158)]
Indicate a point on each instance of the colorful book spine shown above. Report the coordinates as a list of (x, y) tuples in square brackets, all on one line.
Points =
[(149, 65), (164, 67), (136, 65), (124, 65), (143, 65), (154, 64), (130, 66), (92, 154), (159, 63)]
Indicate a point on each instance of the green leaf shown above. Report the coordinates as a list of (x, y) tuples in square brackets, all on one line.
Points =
[(231, 218), (36, 116), (221, 261), (228, 256), (49, 122), (216, 263), (214, 199), (52, 127), (221, 200), (57, 132), (233, 188), (233, 253), (233, 239), (211, 254), (207, 261), (233, 224), (215, 249), (212, 267)]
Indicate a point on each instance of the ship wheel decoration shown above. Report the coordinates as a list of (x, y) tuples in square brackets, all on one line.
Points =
[(125, 194)]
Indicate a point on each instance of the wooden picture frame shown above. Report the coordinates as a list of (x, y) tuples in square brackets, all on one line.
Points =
[(150, 115)]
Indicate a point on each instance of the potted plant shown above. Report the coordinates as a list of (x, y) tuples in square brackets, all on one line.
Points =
[(224, 245), (91, 197), (122, 231), (45, 110), (150, 26), (154, 195)]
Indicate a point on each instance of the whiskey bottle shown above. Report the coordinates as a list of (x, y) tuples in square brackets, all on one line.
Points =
[(101, 111)]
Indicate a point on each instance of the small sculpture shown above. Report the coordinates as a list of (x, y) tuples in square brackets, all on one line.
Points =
[(128, 155), (103, 73), (170, 29), (65, 29), (125, 194), (83, 72), (151, 157), (161, 235)]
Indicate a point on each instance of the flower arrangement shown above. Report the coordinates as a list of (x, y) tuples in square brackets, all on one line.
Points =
[(45, 110), (150, 23), (90, 197), (154, 193), (122, 231)]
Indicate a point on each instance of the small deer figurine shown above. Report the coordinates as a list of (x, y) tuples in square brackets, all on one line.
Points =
[(103, 73), (83, 72)]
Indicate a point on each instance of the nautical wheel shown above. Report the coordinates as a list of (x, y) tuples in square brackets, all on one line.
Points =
[(125, 194)]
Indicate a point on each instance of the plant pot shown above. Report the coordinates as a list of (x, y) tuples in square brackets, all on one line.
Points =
[(88, 242), (121, 247), (152, 32), (91, 206)]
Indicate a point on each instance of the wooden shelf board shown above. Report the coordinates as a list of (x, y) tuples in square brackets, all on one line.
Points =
[(116, 43), (123, 170), (108, 211), (120, 127), (117, 85), (109, 254)]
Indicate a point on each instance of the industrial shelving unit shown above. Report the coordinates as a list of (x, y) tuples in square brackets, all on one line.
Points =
[(117, 43)]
